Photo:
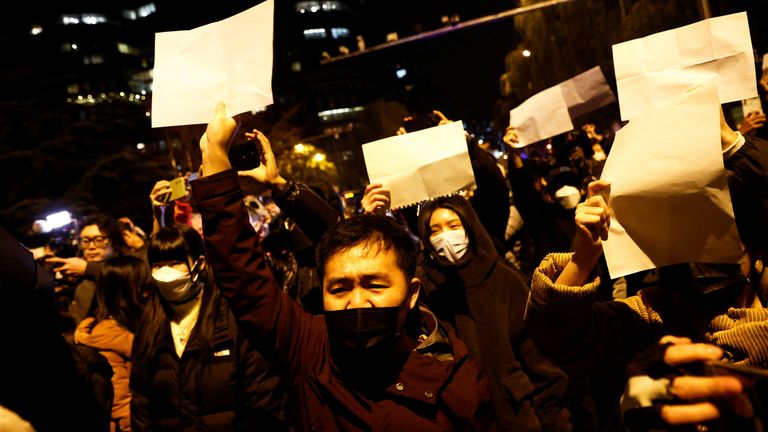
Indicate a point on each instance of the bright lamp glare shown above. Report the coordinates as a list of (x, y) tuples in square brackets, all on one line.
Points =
[(526, 53), (58, 220)]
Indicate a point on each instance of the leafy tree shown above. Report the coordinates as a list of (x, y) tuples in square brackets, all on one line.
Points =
[(573, 37)]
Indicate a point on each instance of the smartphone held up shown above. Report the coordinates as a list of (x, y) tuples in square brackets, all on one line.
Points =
[(178, 191), (246, 155)]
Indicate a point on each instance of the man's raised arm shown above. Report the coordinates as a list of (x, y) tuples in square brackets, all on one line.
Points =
[(233, 248)]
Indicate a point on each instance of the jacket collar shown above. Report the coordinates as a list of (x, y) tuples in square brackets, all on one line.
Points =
[(430, 366)]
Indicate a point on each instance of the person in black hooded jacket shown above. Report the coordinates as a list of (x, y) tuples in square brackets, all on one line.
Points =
[(468, 285)]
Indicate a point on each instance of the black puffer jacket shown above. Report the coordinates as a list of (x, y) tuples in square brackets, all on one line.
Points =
[(238, 389), (484, 300)]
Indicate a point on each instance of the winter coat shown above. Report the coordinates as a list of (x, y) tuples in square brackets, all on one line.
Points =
[(39, 380), (491, 198), (114, 343), (550, 226), (233, 388), (571, 326), (437, 388), (484, 300)]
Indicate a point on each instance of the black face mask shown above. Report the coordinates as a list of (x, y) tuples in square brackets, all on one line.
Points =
[(362, 331)]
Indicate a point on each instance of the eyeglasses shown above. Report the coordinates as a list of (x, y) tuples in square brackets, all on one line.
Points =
[(98, 241)]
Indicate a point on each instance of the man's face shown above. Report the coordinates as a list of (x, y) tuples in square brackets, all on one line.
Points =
[(96, 245), (367, 276)]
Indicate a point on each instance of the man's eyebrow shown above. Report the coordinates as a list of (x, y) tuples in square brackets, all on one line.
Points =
[(374, 276), (367, 276), (340, 279)]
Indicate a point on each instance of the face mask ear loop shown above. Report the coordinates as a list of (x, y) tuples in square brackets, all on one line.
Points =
[(194, 272), (755, 279)]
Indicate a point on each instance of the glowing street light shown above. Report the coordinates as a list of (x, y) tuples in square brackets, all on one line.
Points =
[(526, 53), (319, 157)]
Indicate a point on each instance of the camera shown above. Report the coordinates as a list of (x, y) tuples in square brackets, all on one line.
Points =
[(246, 155)]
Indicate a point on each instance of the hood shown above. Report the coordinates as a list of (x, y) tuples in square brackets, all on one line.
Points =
[(481, 255), (106, 335)]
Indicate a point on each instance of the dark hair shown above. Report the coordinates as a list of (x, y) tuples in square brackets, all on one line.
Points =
[(369, 229), (456, 204), (118, 294), (176, 243), (109, 227)]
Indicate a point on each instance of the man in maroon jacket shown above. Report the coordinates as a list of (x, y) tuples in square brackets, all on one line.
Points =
[(375, 360)]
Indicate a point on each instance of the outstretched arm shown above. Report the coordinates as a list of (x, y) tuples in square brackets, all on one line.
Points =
[(235, 254)]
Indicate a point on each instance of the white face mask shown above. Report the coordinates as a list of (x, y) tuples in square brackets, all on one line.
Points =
[(176, 286), (568, 197), (451, 244)]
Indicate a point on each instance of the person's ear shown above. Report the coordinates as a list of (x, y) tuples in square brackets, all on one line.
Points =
[(413, 292), (200, 263)]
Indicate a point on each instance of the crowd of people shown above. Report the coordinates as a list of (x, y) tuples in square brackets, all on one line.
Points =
[(486, 310)]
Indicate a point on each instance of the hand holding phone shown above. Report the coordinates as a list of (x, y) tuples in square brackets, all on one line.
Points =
[(418, 122), (178, 189), (246, 155)]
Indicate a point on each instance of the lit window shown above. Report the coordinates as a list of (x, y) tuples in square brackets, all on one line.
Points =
[(93, 19), (124, 48), (296, 66), (339, 113), (70, 19), (93, 59), (318, 6), (36, 30), (401, 73), (332, 5), (74, 47), (130, 14), (315, 33), (304, 6), (146, 10), (339, 32)]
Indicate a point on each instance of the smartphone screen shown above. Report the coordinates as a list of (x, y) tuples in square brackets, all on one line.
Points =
[(178, 189)]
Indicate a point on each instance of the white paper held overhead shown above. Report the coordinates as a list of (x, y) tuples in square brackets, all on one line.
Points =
[(586, 92), (229, 60), (421, 165), (669, 194), (549, 113), (541, 116), (655, 70)]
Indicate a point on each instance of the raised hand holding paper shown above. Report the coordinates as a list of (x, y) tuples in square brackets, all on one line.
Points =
[(421, 165), (229, 60), (653, 71), (669, 194)]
